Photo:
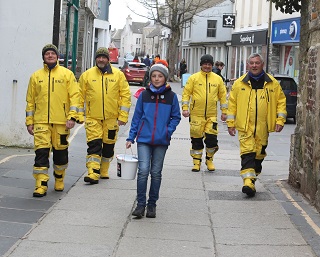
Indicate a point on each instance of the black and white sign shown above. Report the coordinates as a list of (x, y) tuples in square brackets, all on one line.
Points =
[(228, 21), (249, 38)]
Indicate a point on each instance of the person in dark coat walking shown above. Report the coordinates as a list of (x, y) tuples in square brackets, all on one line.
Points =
[(183, 68)]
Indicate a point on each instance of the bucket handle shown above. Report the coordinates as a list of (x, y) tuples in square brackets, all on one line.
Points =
[(125, 152)]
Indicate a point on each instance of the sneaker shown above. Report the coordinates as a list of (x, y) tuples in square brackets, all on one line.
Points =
[(151, 212), (139, 211)]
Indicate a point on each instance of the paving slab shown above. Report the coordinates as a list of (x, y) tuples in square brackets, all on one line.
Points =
[(264, 250), (54, 249), (143, 229), (258, 236), (135, 247)]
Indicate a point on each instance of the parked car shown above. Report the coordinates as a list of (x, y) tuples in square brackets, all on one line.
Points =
[(289, 87), (134, 71)]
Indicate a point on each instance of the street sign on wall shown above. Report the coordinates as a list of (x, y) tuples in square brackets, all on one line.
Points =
[(249, 38), (286, 31)]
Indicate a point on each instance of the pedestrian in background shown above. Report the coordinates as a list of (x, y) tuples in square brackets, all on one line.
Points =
[(52, 103), (136, 59), (257, 106), (217, 68), (105, 93), (147, 61), (155, 59), (200, 97), (155, 118), (182, 68)]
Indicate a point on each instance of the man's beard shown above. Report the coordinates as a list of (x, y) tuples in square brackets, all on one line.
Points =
[(102, 66)]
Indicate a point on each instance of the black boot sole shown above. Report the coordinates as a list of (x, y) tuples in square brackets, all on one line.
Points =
[(249, 191), (90, 180), (39, 195)]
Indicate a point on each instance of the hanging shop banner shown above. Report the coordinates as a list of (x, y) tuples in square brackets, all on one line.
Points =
[(286, 31), (228, 21), (249, 38)]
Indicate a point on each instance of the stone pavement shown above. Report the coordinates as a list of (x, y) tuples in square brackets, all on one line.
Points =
[(198, 215)]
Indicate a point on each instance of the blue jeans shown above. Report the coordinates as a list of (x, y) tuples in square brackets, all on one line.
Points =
[(150, 160)]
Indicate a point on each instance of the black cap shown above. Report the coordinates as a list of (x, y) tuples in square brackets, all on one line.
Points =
[(207, 58)]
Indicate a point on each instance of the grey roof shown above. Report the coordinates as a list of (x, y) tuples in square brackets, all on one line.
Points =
[(155, 32), (117, 34), (137, 27)]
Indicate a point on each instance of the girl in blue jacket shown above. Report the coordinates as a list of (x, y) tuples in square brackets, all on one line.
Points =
[(155, 118)]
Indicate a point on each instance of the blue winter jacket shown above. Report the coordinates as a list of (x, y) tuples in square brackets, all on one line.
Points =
[(155, 118)]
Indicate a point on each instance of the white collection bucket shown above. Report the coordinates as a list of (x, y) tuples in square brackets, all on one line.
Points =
[(127, 166)]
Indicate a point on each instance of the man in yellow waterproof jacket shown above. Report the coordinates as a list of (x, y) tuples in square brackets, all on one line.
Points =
[(257, 106), (52, 103), (106, 97), (200, 97)]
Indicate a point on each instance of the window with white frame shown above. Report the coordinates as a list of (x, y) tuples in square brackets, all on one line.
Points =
[(189, 29), (211, 28)]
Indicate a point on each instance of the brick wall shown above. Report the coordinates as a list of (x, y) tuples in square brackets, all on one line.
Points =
[(305, 142)]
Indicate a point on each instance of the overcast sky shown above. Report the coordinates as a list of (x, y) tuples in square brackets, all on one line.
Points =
[(118, 12)]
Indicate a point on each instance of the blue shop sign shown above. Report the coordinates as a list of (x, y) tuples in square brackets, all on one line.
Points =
[(286, 31)]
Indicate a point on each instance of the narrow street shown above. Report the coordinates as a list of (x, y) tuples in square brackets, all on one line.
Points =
[(199, 214)]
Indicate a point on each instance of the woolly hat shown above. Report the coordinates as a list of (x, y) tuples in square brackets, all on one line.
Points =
[(102, 51), (161, 68), (207, 58), (49, 47)]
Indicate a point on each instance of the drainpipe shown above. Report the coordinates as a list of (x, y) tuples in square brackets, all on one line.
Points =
[(66, 59), (268, 37), (75, 36), (75, 5), (56, 23)]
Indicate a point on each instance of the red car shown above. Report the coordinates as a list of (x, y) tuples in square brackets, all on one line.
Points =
[(134, 71)]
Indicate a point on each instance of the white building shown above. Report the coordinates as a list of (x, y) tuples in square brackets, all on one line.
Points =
[(132, 37), (23, 36), (251, 33), (101, 28), (206, 35)]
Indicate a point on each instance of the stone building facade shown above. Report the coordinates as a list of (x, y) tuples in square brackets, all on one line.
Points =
[(305, 142)]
